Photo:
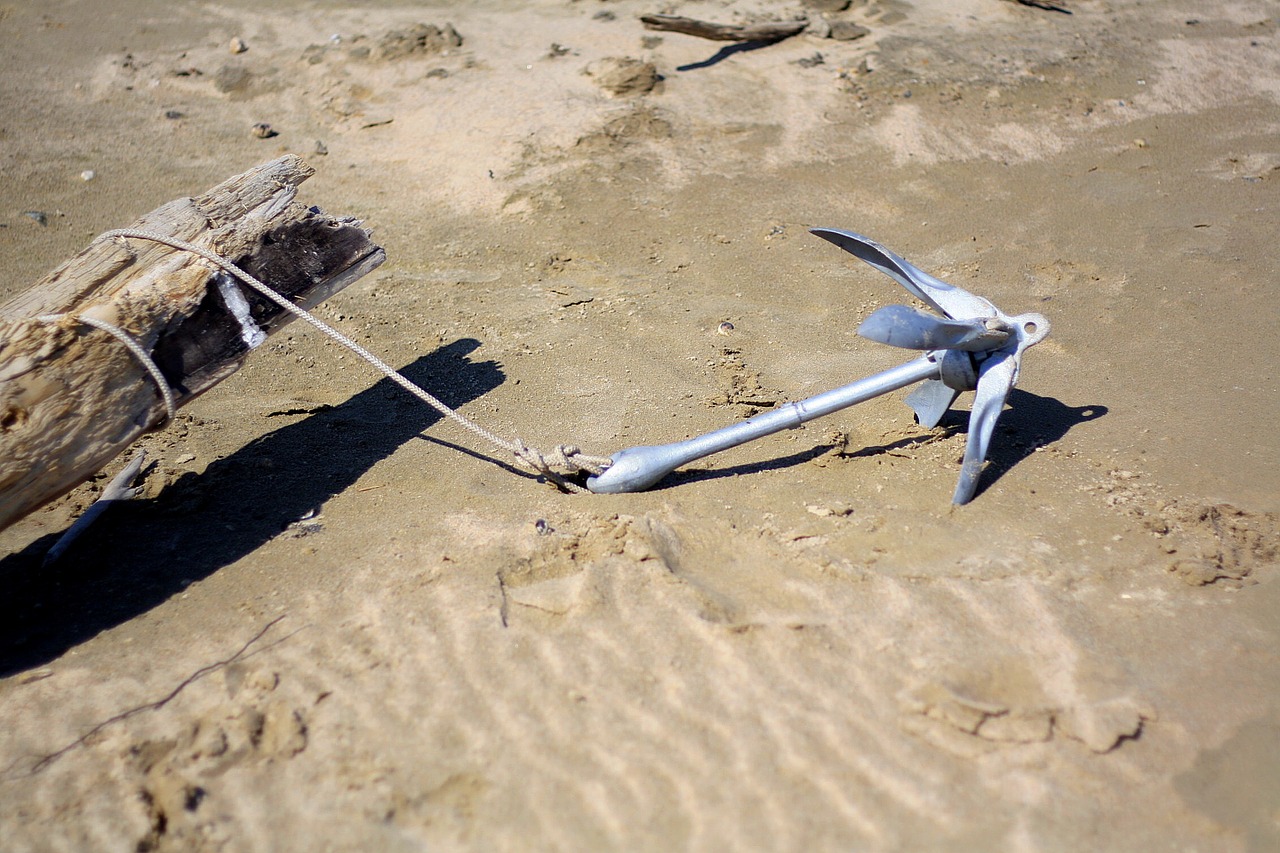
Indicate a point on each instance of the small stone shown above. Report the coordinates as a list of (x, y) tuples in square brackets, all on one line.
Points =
[(321, 149), (232, 77), (88, 175), (262, 130), (38, 216), (624, 77), (724, 328), (314, 54), (173, 115), (238, 45), (309, 523), (185, 458), (837, 509), (1198, 572), (1139, 143), (420, 39), (847, 31)]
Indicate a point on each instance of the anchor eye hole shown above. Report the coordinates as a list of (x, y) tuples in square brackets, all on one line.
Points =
[(1029, 327)]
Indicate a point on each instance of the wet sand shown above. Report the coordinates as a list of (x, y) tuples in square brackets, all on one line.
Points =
[(335, 621)]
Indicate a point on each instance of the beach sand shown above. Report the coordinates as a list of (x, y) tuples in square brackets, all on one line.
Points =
[(336, 622)]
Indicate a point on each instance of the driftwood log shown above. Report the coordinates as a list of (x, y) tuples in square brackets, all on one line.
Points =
[(73, 396), (723, 32), (1042, 4)]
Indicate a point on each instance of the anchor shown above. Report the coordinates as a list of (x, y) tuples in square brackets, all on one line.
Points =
[(972, 346)]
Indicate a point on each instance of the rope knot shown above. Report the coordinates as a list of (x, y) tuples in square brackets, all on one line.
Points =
[(563, 459)]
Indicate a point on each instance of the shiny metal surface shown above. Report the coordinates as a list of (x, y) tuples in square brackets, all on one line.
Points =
[(972, 346), (638, 468), (911, 328)]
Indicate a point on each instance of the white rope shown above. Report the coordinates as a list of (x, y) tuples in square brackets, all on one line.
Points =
[(568, 457), (134, 347)]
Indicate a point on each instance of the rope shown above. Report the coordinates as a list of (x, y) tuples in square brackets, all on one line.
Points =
[(134, 347), (566, 457)]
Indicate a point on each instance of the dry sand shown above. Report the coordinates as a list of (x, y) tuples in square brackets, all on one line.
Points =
[(796, 645)]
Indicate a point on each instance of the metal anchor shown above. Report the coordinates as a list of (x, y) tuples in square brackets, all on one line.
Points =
[(973, 346)]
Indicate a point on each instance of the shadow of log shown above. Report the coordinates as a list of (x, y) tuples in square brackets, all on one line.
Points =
[(725, 52), (143, 552)]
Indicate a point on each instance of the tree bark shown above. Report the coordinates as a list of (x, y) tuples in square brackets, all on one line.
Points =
[(72, 396)]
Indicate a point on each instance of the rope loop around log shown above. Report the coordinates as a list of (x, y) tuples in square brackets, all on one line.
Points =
[(162, 384)]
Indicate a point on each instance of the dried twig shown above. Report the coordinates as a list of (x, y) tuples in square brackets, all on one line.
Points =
[(723, 32), (119, 489), (159, 703)]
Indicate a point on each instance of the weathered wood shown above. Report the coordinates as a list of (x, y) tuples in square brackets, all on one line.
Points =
[(776, 31), (72, 396), (119, 489), (1042, 4)]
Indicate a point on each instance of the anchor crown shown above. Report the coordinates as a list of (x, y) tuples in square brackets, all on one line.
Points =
[(977, 346)]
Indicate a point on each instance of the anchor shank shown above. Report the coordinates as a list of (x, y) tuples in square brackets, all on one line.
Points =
[(638, 468)]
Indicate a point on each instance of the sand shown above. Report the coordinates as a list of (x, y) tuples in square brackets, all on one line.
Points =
[(336, 622)]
